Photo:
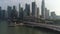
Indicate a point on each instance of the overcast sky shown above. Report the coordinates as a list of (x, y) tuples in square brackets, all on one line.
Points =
[(52, 5)]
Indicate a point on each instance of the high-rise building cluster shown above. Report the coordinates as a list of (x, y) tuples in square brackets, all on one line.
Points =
[(45, 14), (44, 11), (12, 12), (2, 13)]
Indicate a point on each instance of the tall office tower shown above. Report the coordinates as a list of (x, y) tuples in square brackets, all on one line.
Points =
[(0, 12), (27, 10), (3, 14), (46, 13), (21, 13), (14, 12), (9, 10), (38, 12), (43, 9), (33, 8), (19, 10), (53, 15)]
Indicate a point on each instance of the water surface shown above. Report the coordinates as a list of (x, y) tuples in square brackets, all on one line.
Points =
[(4, 29)]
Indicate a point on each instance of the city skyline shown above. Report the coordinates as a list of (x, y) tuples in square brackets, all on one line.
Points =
[(12, 12), (51, 6)]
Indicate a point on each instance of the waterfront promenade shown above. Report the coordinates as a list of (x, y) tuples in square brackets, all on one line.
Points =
[(49, 26), (34, 24)]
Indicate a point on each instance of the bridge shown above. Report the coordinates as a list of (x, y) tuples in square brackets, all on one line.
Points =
[(49, 26), (36, 24)]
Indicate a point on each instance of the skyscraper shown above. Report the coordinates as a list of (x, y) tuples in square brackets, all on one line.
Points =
[(43, 9), (19, 10), (9, 10), (46, 13), (14, 12), (27, 10), (3, 14), (21, 14), (33, 8), (38, 12), (19, 7), (0, 12)]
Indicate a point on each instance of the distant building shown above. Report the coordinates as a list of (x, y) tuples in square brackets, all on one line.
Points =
[(14, 12), (9, 11), (27, 10), (21, 13), (19, 7), (57, 17), (19, 10), (0, 12), (33, 8), (3, 14), (53, 15), (38, 12), (46, 13), (43, 9)]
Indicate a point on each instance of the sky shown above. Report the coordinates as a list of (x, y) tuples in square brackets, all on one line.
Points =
[(52, 5)]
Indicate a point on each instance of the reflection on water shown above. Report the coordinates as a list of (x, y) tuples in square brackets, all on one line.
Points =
[(4, 29)]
